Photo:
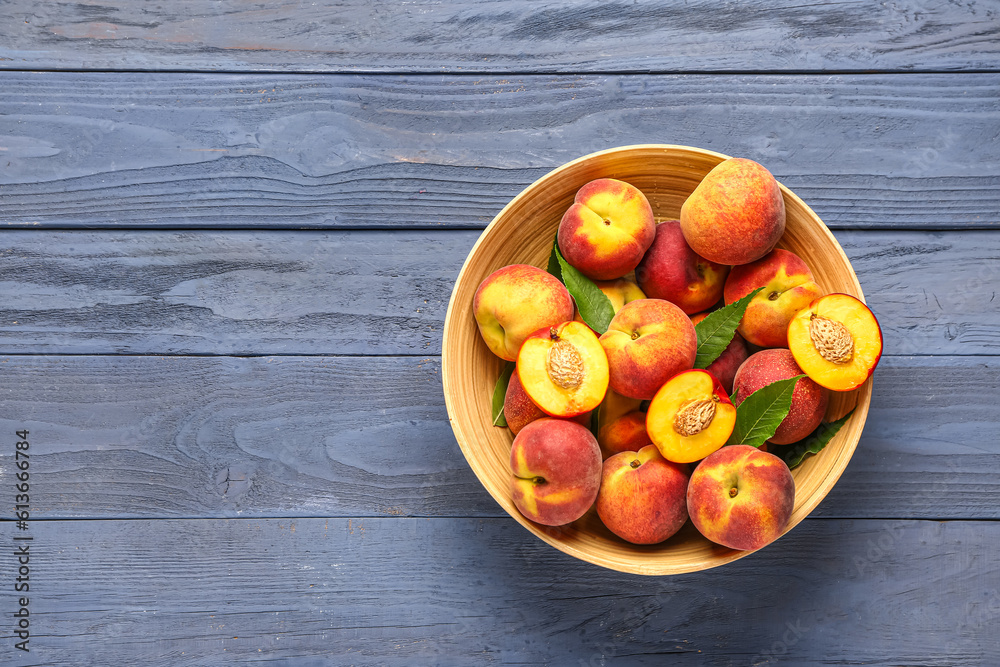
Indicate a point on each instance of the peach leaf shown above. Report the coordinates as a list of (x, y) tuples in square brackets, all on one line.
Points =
[(500, 394), (814, 442), (760, 413), (716, 331)]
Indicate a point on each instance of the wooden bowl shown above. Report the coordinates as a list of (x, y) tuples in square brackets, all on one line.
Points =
[(522, 233)]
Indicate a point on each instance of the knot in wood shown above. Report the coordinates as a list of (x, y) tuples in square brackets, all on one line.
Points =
[(565, 365), (694, 417), (831, 339)]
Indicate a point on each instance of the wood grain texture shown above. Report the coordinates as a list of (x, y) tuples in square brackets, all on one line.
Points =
[(331, 436), (240, 293), (474, 592), (501, 35), (338, 151), (367, 292), (473, 101)]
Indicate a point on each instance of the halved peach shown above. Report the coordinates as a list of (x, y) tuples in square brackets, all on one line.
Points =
[(563, 369), (836, 341), (690, 417)]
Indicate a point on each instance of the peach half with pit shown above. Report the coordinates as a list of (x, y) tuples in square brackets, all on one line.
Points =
[(788, 288), (836, 341), (741, 497), (555, 471), (736, 214), (563, 369), (643, 496), (809, 400), (607, 230), (514, 302), (690, 417), (648, 342), (671, 270)]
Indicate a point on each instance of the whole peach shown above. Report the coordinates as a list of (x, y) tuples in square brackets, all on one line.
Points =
[(741, 497), (643, 497), (736, 214), (625, 434), (648, 342), (808, 399), (788, 288), (555, 471), (516, 301), (671, 270), (607, 230), (621, 424)]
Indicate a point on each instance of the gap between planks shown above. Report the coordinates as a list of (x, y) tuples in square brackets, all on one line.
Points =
[(359, 355), (503, 73), (118, 227), (445, 517)]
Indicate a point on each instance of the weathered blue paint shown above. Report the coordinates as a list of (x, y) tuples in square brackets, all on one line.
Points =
[(195, 394)]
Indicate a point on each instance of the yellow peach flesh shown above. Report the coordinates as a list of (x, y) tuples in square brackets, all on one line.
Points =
[(681, 391), (565, 373), (864, 329)]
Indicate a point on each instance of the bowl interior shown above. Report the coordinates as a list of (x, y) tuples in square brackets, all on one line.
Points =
[(523, 233)]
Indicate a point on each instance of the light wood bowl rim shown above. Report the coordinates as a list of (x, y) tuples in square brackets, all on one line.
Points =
[(637, 565)]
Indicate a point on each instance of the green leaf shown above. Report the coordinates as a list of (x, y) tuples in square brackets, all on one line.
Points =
[(594, 306), (553, 266), (760, 414), (814, 442), (716, 331), (500, 393)]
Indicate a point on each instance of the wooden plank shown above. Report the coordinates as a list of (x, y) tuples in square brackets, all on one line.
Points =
[(199, 292), (501, 35), (279, 151), (471, 592), (927, 298), (227, 292), (197, 436), (926, 442), (334, 436)]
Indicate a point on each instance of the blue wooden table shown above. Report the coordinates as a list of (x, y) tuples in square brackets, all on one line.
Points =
[(229, 235)]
